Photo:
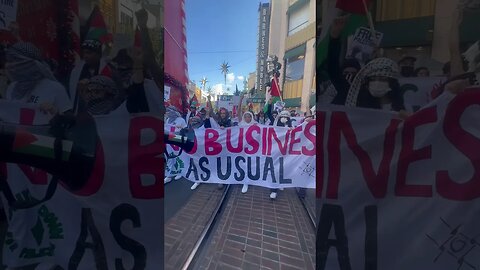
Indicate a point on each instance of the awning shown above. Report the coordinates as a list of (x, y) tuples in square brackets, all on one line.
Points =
[(295, 51)]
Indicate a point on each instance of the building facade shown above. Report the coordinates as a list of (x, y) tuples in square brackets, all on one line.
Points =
[(428, 23), (294, 22)]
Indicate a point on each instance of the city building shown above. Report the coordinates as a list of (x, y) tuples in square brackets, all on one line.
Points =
[(292, 40), (419, 28)]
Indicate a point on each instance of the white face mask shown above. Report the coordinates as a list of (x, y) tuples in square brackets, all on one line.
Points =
[(379, 88)]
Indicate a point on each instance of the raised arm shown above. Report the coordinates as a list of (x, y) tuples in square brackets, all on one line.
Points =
[(149, 55), (269, 111)]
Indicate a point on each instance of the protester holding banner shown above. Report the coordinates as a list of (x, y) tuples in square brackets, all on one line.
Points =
[(246, 119), (376, 86)]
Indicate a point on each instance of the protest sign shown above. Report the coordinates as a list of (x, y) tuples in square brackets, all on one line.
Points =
[(112, 222), (362, 45), (8, 13), (400, 194), (259, 155)]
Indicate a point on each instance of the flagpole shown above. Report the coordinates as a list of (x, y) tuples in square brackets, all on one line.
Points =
[(370, 21)]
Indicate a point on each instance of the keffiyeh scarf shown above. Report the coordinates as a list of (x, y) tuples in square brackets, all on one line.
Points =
[(383, 67)]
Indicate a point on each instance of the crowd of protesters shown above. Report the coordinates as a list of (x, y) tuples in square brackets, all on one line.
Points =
[(375, 84), (99, 84), (272, 115)]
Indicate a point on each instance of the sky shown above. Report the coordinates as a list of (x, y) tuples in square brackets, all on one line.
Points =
[(217, 31)]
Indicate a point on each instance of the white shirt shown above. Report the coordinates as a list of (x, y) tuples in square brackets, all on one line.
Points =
[(45, 91)]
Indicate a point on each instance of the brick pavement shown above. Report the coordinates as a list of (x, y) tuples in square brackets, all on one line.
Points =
[(258, 233), (184, 229)]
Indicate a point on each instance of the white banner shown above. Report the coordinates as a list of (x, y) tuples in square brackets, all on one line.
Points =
[(114, 221), (400, 194), (257, 155), (8, 13), (418, 92)]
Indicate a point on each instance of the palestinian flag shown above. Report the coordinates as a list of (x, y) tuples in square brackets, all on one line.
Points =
[(354, 22), (37, 145), (274, 93), (98, 28)]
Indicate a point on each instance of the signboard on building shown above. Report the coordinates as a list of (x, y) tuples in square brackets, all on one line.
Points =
[(262, 53)]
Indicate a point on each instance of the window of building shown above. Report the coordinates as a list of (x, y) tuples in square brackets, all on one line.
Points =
[(295, 64), (298, 19), (403, 9)]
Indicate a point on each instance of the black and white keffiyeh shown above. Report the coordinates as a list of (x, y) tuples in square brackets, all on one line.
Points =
[(110, 100), (382, 67)]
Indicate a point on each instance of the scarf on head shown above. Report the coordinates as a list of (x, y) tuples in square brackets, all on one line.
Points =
[(252, 122), (172, 114), (110, 101), (26, 68), (283, 114), (223, 121), (383, 67)]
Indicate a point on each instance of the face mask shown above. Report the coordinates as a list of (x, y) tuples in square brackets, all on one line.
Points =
[(378, 88), (407, 71), (283, 120)]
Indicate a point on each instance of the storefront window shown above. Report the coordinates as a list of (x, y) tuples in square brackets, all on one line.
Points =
[(295, 68)]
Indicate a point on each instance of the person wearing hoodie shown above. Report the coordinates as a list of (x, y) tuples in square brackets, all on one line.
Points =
[(246, 120)]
